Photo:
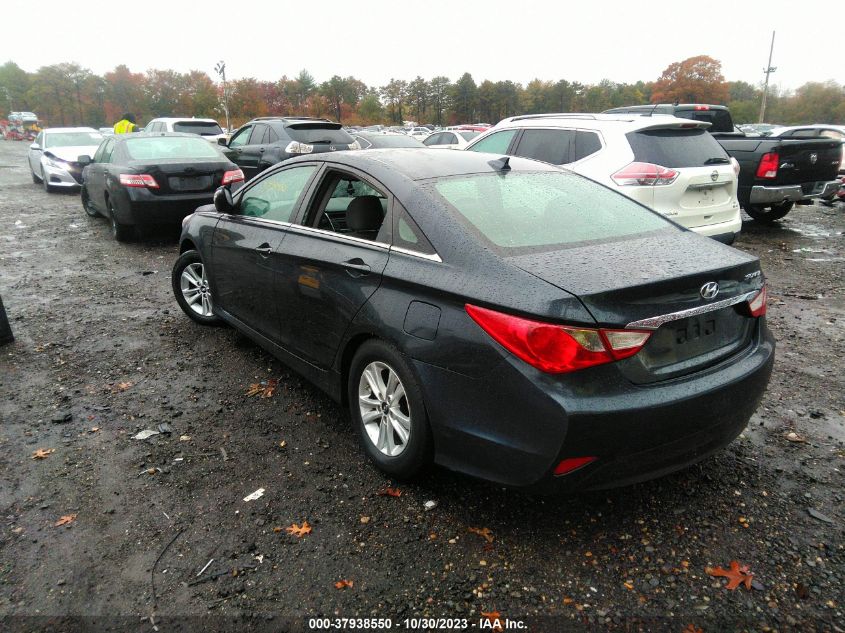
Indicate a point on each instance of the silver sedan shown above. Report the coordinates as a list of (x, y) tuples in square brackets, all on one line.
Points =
[(53, 157)]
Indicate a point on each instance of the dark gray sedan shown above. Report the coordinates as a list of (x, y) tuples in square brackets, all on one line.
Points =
[(499, 316)]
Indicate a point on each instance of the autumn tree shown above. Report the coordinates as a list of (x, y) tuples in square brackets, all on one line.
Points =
[(464, 96), (14, 85), (694, 80), (124, 92)]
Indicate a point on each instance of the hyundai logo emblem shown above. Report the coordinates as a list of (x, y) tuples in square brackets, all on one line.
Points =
[(714, 176), (709, 290), (814, 158)]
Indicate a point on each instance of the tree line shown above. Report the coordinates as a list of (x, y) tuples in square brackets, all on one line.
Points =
[(68, 94)]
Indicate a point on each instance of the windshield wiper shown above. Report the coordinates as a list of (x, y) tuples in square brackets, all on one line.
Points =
[(717, 160)]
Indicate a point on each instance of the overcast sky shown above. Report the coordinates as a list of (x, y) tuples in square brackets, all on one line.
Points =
[(623, 41)]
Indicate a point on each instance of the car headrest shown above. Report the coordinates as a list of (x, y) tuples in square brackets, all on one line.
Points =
[(364, 213)]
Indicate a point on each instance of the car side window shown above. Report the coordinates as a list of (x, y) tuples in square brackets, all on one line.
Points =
[(496, 143), (362, 142), (348, 205), (108, 150), (272, 135), (550, 146), (449, 139), (434, 139), (407, 234), (39, 139), (275, 197), (240, 139), (259, 135), (832, 134), (586, 143)]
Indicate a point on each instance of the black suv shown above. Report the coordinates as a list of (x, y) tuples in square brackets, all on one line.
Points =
[(265, 141)]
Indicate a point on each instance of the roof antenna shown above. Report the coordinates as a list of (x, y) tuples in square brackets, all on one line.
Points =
[(501, 164)]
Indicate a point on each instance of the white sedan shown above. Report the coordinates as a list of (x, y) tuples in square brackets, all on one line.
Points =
[(53, 157), (450, 139)]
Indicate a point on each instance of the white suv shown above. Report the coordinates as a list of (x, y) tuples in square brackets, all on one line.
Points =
[(670, 164), (209, 129)]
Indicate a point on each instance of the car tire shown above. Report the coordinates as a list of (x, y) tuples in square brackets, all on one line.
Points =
[(120, 232), (190, 287), (86, 203), (46, 183), (769, 214), (383, 390)]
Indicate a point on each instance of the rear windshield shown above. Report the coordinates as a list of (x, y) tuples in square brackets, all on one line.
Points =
[(312, 134), (537, 210), (169, 147), (203, 128), (70, 139), (676, 148), (721, 119)]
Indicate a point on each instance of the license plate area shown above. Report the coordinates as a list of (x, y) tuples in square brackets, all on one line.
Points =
[(683, 346), (190, 183)]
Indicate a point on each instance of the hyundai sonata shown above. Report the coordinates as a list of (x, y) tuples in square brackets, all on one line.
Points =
[(499, 316)]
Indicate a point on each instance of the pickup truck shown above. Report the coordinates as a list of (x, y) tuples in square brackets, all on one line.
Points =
[(774, 173)]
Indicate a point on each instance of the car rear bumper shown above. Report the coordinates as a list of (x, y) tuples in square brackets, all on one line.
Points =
[(514, 425), (793, 193), (144, 207), (725, 232)]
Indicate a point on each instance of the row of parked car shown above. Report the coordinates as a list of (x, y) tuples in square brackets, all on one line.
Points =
[(482, 309)]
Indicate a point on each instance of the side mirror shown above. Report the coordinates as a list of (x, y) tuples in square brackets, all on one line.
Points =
[(223, 201), (35, 146), (83, 160), (222, 141)]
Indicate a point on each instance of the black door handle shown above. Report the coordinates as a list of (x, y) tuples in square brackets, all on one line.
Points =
[(264, 249), (356, 267)]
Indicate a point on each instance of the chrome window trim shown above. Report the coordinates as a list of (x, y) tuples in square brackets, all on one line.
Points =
[(231, 217), (340, 237), (405, 251), (652, 323)]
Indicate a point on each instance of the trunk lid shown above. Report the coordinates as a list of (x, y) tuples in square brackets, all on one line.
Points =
[(183, 177), (805, 161), (655, 282)]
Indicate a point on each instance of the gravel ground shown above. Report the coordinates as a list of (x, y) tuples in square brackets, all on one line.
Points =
[(103, 352)]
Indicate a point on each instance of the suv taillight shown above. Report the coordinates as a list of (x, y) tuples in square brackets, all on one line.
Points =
[(138, 180), (644, 174), (557, 349), (236, 175), (295, 147), (768, 167)]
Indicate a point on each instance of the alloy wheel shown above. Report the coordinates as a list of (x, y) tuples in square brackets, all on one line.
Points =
[(195, 290), (384, 407)]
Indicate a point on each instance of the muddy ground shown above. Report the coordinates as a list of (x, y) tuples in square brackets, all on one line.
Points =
[(102, 352)]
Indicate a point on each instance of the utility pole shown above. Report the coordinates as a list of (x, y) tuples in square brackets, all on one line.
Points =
[(768, 70), (220, 68)]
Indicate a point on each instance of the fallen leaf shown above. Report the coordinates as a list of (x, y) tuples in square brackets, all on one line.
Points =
[(389, 492), (736, 575), (365, 519), (628, 585), (265, 388), (42, 453), (65, 520), (492, 617), (568, 601), (282, 444), (123, 386), (277, 529), (298, 531), (792, 436), (341, 584), (484, 533), (691, 628), (94, 429)]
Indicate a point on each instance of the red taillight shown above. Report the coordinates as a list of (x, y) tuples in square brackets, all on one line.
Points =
[(768, 167), (702, 107), (557, 349), (236, 175), (646, 174), (757, 305), (138, 180), (572, 463)]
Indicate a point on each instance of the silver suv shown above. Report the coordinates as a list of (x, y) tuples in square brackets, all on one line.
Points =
[(669, 164)]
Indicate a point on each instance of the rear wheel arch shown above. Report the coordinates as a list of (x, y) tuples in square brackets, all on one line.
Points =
[(352, 346), (187, 245)]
